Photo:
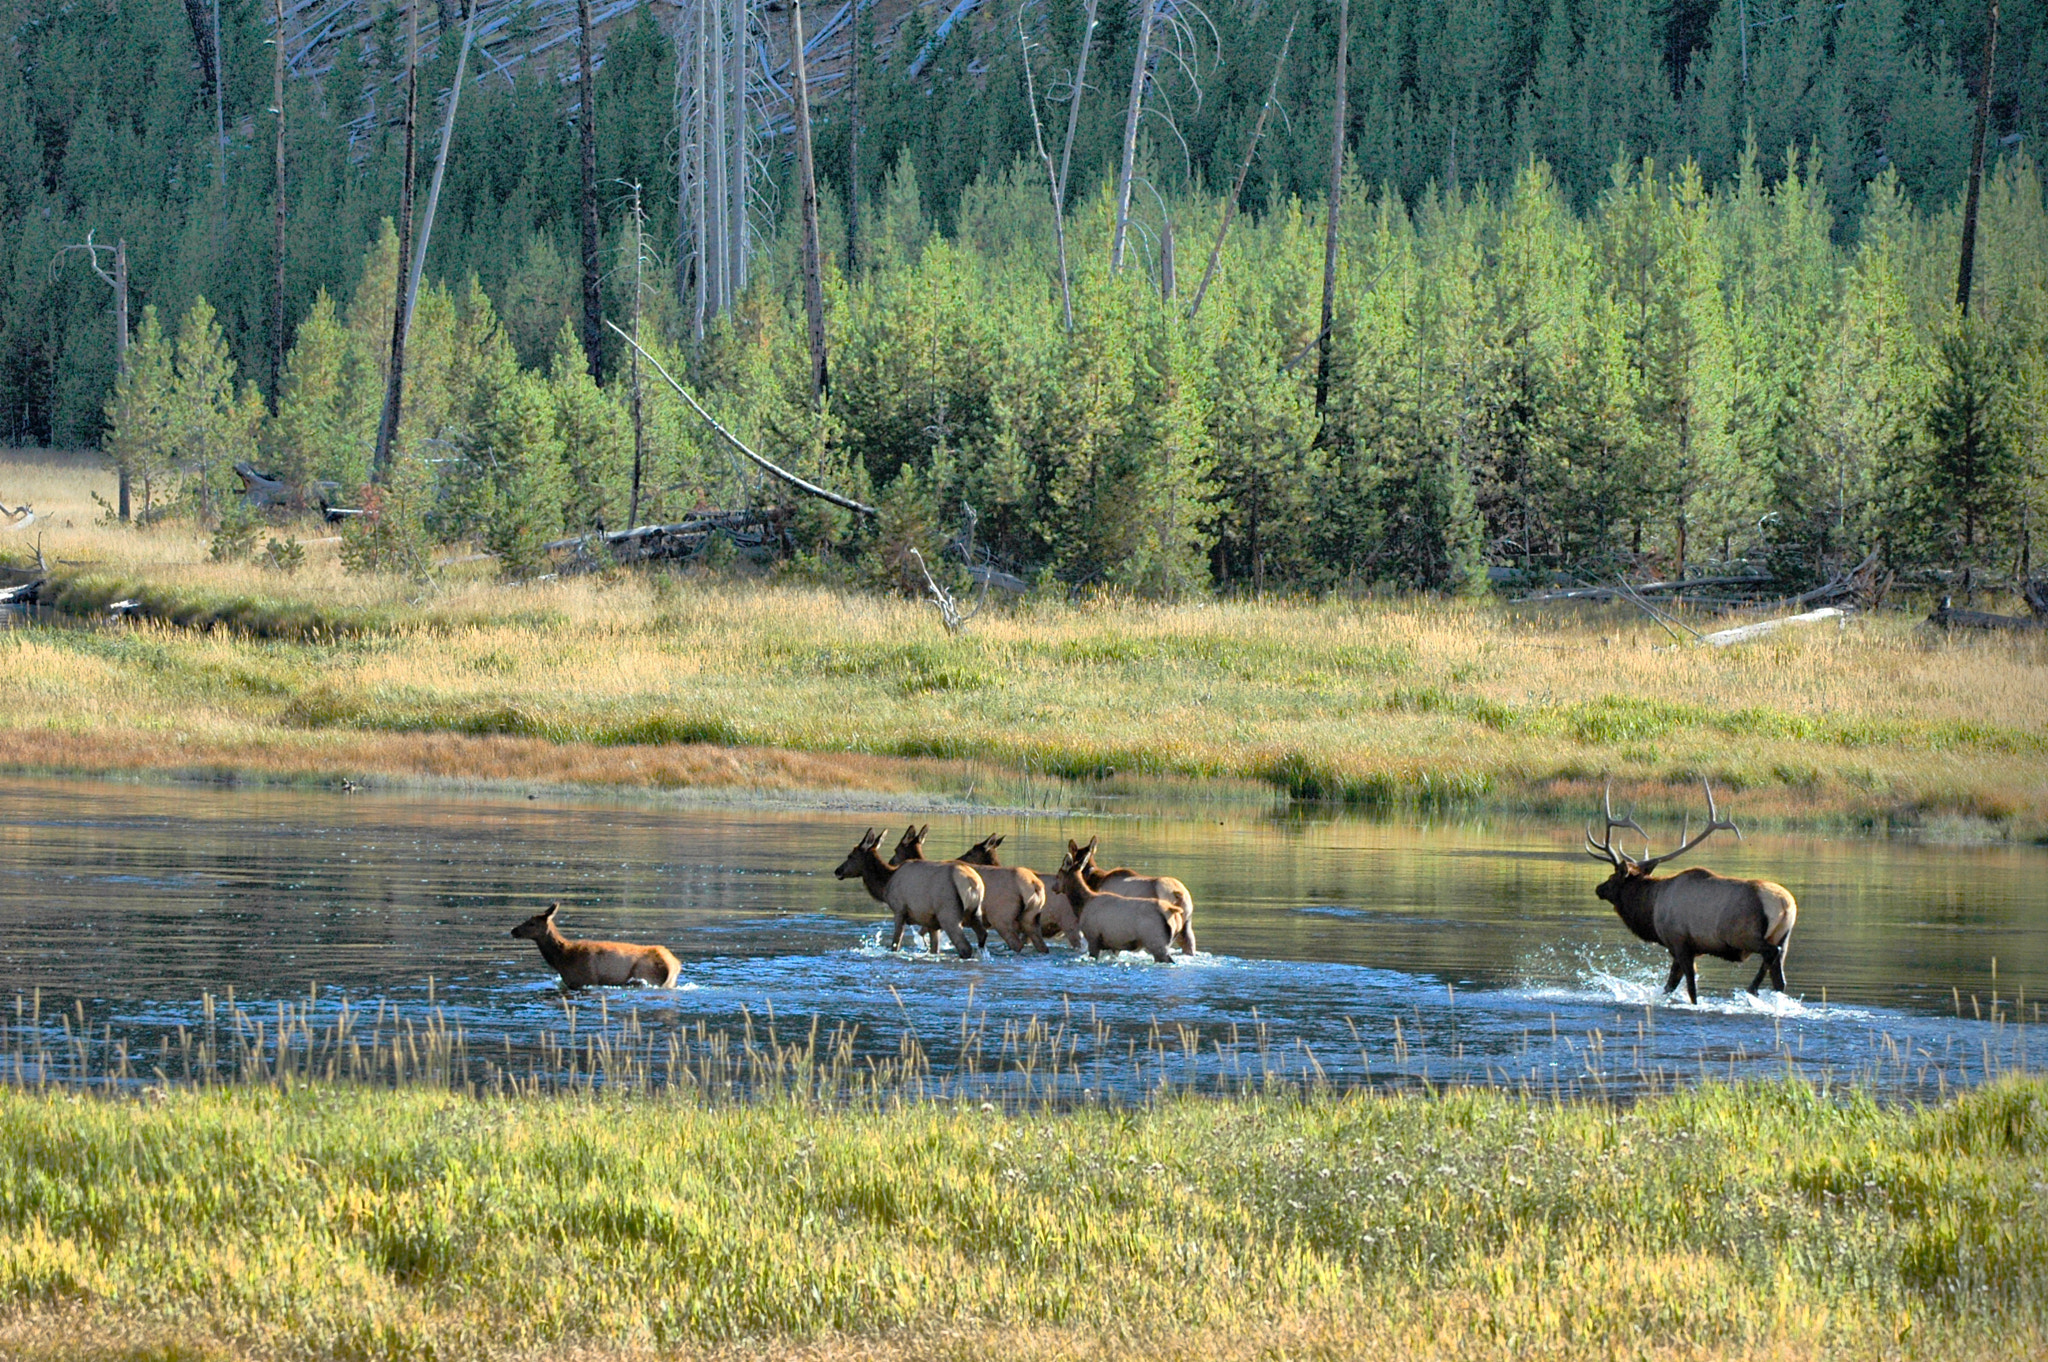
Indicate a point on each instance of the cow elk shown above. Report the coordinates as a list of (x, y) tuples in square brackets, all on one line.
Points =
[(1011, 895), (1117, 917), (1179, 903), (1054, 915), (1695, 912), (936, 896), (583, 963)]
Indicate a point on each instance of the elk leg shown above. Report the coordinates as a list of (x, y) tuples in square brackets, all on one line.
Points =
[(896, 941), (1679, 966), (1773, 965), (1187, 935), (950, 923), (1692, 983)]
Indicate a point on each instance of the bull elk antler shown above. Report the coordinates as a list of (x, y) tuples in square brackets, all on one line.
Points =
[(1604, 849), (1715, 823)]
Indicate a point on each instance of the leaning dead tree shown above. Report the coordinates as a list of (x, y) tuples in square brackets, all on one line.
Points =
[(1166, 32), (1052, 175), (394, 381), (586, 143), (1244, 169), (718, 120), (1338, 121), (814, 286), (117, 278)]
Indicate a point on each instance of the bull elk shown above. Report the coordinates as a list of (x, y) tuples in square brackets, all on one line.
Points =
[(938, 896), (1695, 912), (582, 963)]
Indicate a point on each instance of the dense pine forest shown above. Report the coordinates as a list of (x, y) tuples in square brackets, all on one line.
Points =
[(1617, 283)]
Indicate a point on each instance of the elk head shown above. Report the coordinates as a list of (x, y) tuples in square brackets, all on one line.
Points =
[(910, 846), (539, 925), (984, 851), (1630, 870), (856, 860)]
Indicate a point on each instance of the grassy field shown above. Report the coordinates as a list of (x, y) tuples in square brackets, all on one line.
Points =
[(687, 679), (1759, 1221)]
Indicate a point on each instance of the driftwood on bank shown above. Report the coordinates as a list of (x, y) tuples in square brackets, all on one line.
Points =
[(16, 517)]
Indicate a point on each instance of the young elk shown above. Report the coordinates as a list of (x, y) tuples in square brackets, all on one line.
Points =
[(1695, 912), (1112, 919), (582, 963), (1010, 894), (1180, 904), (936, 895)]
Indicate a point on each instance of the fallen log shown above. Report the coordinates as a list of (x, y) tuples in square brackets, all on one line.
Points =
[(1763, 628), (262, 489), (16, 517), (680, 540), (1949, 617), (25, 594)]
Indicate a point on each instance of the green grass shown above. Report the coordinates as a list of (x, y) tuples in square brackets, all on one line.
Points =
[(359, 1223)]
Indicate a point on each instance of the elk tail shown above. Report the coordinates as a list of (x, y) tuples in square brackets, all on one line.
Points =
[(1780, 911)]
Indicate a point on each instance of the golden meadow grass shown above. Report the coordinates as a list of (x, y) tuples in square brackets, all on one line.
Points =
[(1766, 1220), (678, 679)]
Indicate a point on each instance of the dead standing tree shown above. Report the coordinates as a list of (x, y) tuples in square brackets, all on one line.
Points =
[(814, 286), (1165, 29), (1337, 131), (394, 381), (717, 119), (118, 279), (586, 137)]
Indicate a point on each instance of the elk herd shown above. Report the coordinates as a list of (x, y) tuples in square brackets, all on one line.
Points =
[(1693, 913)]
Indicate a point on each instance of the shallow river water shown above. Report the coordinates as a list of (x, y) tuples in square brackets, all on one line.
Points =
[(217, 930)]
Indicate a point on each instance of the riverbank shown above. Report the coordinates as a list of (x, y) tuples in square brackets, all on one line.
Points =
[(1755, 1221), (694, 680)]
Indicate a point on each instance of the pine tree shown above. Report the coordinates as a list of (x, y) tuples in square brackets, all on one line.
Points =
[(210, 429), (141, 420)]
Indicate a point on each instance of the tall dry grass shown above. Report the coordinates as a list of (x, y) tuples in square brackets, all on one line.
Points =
[(1375, 701)]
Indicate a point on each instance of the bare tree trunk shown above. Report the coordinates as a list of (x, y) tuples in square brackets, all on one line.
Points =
[(853, 145), (717, 212), (814, 287), (1337, 121), (220, 126), (394, 383), (693, 262), (586, 132), (277, 243), (738, 237), (1244, 169), (1166, 282), (1074, 105), (1969, 258), (121, 340), (1052, 179), (1147, 10), (633, 359), (419, 252)]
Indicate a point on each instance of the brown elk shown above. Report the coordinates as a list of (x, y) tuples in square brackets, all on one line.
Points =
[(1010, 894), (938, 896), (582, 963), (1180, 904), (1695, 912), (1054, 915), (1112, 919)]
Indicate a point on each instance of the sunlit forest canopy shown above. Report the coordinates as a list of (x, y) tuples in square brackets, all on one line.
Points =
[(1671, 284)]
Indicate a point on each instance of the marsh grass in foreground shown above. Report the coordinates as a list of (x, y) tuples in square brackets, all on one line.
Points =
[(1752, 1220)]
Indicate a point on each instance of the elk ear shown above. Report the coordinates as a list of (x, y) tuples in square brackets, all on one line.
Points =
[(1073, 847), (1092, 842), (553, 908), (922, 831), (994, 842)]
